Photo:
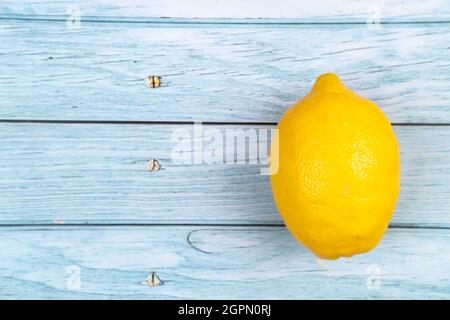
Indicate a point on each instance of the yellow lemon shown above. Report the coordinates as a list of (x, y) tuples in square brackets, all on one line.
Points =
[(337, 177)]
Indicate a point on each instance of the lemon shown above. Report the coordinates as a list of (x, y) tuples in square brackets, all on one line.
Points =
[(338, 172)]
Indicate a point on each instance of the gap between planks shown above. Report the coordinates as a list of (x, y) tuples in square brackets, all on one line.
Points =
[(163, 122), (224, 225), (205, 21)]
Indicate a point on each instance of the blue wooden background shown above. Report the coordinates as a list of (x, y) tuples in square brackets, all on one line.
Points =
[(82, 217)]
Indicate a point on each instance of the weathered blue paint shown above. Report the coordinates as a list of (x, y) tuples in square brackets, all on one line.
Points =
[(216, 72), (214, 262), (86, 173), (180, 223), (340, 11)]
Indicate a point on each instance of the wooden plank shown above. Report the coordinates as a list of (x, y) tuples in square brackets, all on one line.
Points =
[(78, 173), (215, 263), (216, 72), (322, 10)]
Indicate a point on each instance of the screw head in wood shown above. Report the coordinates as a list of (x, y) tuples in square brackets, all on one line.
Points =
[(153, 165), (153, 81), (153, 280)]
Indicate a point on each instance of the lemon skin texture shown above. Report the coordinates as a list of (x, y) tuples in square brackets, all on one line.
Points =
[(338, 176)]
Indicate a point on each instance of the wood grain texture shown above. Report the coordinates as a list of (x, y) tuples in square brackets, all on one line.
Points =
[(216, 73), (321, 10), (215, 263), (206, 231), (97, 174)]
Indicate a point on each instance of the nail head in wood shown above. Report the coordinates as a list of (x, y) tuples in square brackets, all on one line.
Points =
[(153, 81), (153, 165), (153, 280)]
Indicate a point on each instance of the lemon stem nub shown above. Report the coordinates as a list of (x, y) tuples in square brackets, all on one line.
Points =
[(329, 82)]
